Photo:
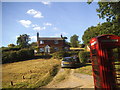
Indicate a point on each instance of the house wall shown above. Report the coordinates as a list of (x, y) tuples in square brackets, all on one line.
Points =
[(52, 45)]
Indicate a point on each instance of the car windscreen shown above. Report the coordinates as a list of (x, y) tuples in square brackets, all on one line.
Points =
[(67, 59)]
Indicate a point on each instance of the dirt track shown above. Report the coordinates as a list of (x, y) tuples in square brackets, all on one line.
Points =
[(73, 80)]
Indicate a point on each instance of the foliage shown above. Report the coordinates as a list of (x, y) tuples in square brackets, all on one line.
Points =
[(74, 40), (11, 45), (10, 49), (84, 56), (13, 56), (33, 45), (82, 45), (59, 54), (23, 40), (109, 10), (100, 29)]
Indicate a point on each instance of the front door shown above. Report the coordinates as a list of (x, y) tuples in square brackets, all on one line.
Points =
[(47, 49)]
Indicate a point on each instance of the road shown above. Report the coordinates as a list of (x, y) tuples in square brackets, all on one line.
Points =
[(73, 80)]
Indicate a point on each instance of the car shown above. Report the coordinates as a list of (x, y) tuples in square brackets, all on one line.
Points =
[(70, 62)]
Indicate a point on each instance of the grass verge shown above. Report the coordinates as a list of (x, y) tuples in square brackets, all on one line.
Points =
[(29, 74), (85, 69)]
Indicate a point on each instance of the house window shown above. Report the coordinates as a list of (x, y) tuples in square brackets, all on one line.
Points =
[(56, 42), (41, 42), (56, 48), (41, 49)]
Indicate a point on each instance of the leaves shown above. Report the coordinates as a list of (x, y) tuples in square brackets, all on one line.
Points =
[(74, 40), (23, 40), (100, 29)]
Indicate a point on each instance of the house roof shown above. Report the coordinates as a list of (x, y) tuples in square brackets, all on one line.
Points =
[(50, 38)]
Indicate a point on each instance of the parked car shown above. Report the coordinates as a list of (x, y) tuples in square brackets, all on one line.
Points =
[(70, 62)]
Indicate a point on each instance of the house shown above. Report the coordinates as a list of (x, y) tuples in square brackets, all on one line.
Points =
[(51, 44)]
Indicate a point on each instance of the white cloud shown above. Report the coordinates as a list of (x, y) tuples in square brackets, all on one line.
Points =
[(33, 38), (46, 2), (36, 14), (34, 25), (55, 28), (25, 23), (64, 33), (48, 24), (39, 28)]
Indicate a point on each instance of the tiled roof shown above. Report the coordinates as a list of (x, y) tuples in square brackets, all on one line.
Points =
[(50, 38)]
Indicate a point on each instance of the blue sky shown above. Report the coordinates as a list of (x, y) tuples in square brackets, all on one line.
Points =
[(49, 19)]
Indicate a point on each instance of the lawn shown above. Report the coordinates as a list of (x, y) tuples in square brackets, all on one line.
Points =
[(29, 74)]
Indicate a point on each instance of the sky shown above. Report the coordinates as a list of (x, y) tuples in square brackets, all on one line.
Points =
[(50, 19)]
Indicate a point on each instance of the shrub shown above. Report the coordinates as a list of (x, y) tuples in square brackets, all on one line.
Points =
[(60, 54), (72, 53), (10, 49), (13, 56), (84, 56)]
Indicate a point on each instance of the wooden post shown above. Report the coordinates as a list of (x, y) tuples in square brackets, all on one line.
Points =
[(11, 83)]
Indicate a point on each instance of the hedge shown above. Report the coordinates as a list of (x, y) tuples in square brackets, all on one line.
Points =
[(14, 56), (84, 56), (10, 49), (61, 54)]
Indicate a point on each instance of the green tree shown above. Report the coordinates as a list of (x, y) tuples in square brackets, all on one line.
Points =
[(11, 45), (74, 40), (109, 10), (23, 40), (100, 29)]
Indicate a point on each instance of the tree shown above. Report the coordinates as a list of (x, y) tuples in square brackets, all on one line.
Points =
[(74, 41), (109, 10), (23, 40), (100, 29), (11, 45)]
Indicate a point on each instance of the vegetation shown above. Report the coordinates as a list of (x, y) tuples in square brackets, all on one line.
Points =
[(11, 45), (61, 54), (109, 10), (84, 56), (85, 69), (23, 40), (61, 76), (100, 29), (29, 74), (20, 55), (74, 41)]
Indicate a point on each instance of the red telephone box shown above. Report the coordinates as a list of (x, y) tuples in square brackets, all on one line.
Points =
[(105, 56)]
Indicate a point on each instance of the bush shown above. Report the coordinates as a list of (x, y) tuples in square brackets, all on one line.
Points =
[(10, 49), (72, 53), (84, 56), (60, 54), (13, 56)]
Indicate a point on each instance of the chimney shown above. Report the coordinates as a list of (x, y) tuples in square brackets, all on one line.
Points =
[(37, 35), (61, 36)]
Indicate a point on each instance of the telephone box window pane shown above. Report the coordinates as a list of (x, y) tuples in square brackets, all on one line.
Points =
[(94, 52), (98, 81), (116, 57), (96, 72), (96, 67), (94, 59)]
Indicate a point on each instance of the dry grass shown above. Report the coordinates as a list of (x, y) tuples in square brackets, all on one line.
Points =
[(29, 74), (86, 69)]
